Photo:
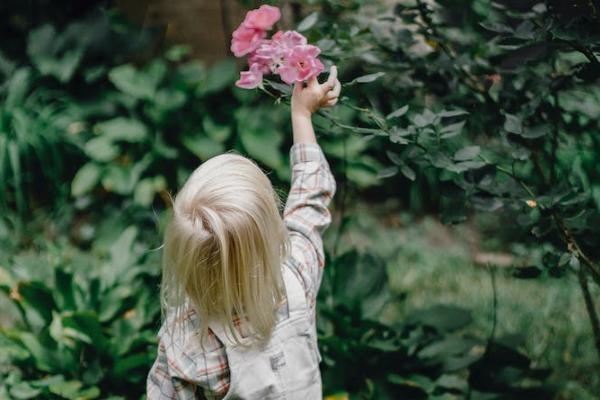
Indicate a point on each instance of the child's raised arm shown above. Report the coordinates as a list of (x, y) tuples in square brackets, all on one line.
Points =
[(313, 186)]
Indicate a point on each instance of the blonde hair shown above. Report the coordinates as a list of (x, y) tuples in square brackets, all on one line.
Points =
[(224, 246)]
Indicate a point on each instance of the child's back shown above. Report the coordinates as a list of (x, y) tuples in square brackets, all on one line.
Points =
[(239, 283)]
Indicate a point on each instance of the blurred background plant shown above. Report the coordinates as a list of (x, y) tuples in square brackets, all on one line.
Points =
[(482, 113)]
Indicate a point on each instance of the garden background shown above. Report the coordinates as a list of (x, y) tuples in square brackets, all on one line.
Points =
[(463, 258)]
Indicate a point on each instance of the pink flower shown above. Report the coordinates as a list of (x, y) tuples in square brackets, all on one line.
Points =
[(246, 40), (271, 54), (251, 78), (288, 39), (261, 59), (301, 64), (286, 54), (262, 18)]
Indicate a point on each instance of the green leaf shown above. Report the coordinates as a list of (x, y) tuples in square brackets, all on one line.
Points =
[(361, 282), (43, 357), (452, 130), (496, 27), (536, 132), (38, 297), (101, 149), (125, 365), (178, 52), (116, 178), (408, 172), (120, 128), (64, 290), (66, 389), (139, 84), (202, 146), (398, 113), (217, 132), (513, 124), (452, 113), (413, 381), (18, 87), (366, 78), (424, 119), (23, 390), (51, 55), (387, 172), (86, 178), (87, 324), (467, 153), (308, 22), (112, 302), (144, 192), (259, 135)]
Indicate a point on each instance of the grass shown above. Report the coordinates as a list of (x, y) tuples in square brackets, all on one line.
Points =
[(432, 264)]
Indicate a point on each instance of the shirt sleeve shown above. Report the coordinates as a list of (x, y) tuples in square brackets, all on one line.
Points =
[(160, 385), (306, 215)]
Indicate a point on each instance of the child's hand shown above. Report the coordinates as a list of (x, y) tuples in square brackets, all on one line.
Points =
[(307, 100)]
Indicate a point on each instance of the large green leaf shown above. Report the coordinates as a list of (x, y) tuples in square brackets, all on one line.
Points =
[(52, 55), (120, 128), (138, 83), (101, 149), (18, 87), (259, 135), (24, 390), (88, 325), (202, 146), (38, 298), (86, 179)]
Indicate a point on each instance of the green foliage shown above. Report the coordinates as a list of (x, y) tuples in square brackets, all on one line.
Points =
[(429, 354), (87, 323), (455, 107)]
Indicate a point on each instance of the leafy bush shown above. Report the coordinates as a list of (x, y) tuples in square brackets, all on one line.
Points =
[(87, 323), (494, 106)]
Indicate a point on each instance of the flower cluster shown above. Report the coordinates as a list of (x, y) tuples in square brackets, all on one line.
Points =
[(286, 54)]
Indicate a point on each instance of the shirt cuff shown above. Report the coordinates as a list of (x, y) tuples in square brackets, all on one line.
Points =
[(303, 152)]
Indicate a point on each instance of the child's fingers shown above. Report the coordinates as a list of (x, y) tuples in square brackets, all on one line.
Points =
[(313, 82), (333, 93), (332, 77), (337, 88), (331, 102), (329, 84)]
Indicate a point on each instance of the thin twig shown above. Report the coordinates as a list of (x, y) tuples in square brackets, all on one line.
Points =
[(574, 247), (590, 307), (494, 304)]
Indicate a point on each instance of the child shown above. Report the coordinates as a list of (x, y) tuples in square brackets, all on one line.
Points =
[(239, 283)]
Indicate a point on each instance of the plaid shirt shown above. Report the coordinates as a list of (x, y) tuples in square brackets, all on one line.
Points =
[(184, 371)]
